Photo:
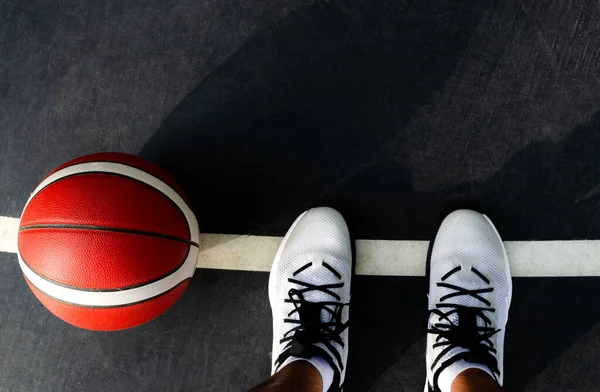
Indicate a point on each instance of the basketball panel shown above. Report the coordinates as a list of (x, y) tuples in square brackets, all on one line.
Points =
[(99, 260), (111, 319), (108, 201), (127, 159)]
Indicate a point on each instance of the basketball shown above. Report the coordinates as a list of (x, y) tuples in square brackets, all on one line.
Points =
[(108, 242)]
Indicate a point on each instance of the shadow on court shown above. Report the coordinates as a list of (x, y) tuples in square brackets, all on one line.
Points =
[(313, 112), (307, 105)]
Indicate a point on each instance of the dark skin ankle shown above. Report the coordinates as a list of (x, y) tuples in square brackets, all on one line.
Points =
[(475, 380), (299, 376)]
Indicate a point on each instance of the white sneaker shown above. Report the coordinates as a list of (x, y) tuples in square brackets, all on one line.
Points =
[(470, 290), (309, 292)]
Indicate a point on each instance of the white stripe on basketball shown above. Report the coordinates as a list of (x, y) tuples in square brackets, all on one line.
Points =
[(129, 296), (113, 298)]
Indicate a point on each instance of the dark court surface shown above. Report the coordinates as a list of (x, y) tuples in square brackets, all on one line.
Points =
[(394, 112)]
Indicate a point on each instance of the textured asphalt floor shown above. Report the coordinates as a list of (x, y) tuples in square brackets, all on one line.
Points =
[(393, 112)]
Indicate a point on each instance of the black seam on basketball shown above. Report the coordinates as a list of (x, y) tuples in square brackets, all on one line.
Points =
[(131, 178), (111, 229), (110, 306), (179, 265), (126, 164)]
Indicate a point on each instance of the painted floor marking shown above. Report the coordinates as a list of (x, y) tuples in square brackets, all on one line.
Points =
[(377, 257)]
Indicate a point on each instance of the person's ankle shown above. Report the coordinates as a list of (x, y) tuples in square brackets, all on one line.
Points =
[(297, 376), (305, 372), (475, 380), (323, 368)]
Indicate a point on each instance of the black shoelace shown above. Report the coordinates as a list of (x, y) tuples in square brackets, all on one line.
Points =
[(308, 329), (467, 333)]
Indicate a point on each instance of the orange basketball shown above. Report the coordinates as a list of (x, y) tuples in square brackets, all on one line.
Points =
[(108, 241)]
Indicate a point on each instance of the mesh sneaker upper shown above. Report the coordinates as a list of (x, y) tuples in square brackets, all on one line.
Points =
[(316, 251), (470, 284)]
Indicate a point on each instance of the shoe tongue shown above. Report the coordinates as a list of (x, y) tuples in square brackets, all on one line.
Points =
[(467, 301), (317, 275), (456, 319)]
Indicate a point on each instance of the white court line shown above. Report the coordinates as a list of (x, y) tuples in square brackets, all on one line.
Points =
[(377, 257)]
